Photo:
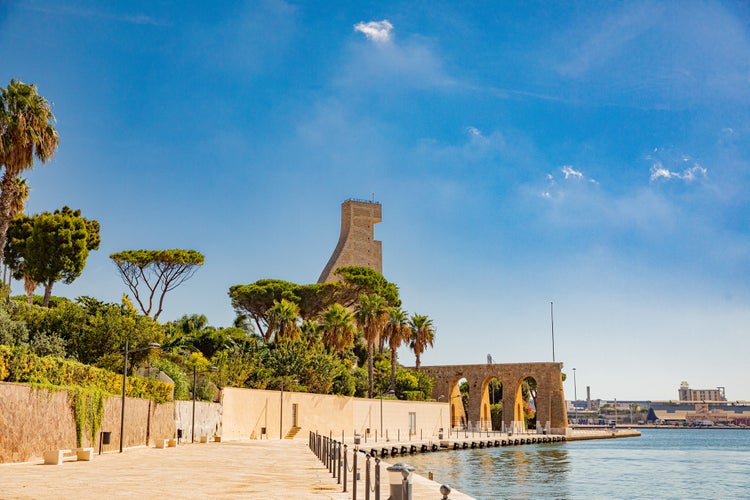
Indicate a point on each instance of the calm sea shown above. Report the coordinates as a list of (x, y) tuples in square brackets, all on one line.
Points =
[(661, 464)]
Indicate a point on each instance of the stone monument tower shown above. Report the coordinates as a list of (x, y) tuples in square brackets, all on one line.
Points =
[(357, 245)]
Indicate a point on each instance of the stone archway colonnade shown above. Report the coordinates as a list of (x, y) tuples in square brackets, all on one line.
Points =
[(550, 398)]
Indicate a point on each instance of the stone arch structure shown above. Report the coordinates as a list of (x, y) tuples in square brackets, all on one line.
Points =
[(357, 245), (550, 399)]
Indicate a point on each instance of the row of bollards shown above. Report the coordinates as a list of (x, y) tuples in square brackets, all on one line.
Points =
[(334, 456)]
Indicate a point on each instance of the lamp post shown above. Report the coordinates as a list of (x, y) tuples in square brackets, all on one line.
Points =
[(575, 395), (441, 415), (391, 394), (552, 323), (615, 412), (195, 380), (152, 345)]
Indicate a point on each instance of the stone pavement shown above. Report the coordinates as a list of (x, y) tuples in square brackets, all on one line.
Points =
[(274, 469)]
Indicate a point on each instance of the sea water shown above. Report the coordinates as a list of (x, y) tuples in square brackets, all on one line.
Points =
[(660, 464)]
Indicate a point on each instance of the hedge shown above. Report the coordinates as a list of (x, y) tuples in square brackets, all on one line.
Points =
[(19, 365)]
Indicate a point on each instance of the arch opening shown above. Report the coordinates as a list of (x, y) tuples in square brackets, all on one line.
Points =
[(524, 407), (459, 403), (495, 397)]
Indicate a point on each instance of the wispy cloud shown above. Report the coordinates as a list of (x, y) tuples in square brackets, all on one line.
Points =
[(131, 18), (668, 165), (256, 37), (377, 31), (612, 36), (570, 174), (386, 65), (658, 171)]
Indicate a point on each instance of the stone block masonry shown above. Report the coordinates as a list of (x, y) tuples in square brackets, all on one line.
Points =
[(357, 245)]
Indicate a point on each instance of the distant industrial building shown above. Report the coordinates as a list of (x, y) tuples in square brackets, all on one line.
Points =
[(701, 395)]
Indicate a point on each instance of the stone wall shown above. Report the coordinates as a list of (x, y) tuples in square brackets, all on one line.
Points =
[(208, 419), (428, 418), (248, 411), (33, 421)]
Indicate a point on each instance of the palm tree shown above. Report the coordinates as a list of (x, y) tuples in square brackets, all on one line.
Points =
[(338, 327), (282, 320), (396, 332), (311, 331), (422, 335), (371, 314), (26, 131)]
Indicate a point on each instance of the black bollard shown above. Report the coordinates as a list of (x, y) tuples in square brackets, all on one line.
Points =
[(346, 459), (377, 479)]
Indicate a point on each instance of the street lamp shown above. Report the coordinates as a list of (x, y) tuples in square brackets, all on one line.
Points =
[(391, 394), (195, 378), (281, 406), (152, 345), (575, 395), (441, 415)]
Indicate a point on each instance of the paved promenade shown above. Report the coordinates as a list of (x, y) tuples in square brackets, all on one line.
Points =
[(274, 469)]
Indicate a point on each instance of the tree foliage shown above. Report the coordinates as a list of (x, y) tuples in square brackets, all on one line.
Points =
[(396, 332), (50, 247), (422, 335), (158, 271), (338, 328), (256, 300), (360, 280), (371, 314), (283, 320)]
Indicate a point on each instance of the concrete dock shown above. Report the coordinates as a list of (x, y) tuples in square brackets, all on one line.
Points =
[(258, 469), (273, 469)]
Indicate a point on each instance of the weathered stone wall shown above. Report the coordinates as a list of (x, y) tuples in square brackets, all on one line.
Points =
[(145, 421), (208, 418), (33, 421), (357, 245)]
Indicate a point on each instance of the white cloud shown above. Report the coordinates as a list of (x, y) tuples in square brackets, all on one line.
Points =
[(392, 66), (659, 171), (569, 172), (560, 191), (377, 31)]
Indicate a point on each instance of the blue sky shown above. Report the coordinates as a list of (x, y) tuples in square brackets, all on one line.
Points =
[(590, 154)]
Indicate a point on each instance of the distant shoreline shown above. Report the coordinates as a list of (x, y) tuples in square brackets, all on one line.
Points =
[(668, 427)]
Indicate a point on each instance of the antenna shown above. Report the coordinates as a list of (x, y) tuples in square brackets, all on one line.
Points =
[(552, 320)]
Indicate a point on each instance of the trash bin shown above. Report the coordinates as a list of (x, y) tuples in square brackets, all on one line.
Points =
[(398, 474)]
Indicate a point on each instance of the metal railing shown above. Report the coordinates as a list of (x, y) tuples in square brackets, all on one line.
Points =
[(335, 456)]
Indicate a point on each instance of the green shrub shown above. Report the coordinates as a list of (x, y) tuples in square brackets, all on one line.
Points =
[(19, 365), (414, 395), (178, 375)]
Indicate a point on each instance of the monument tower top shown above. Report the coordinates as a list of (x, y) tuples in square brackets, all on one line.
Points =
[(357, 245)]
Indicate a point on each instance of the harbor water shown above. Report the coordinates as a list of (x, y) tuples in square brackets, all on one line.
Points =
[(662, 463)]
